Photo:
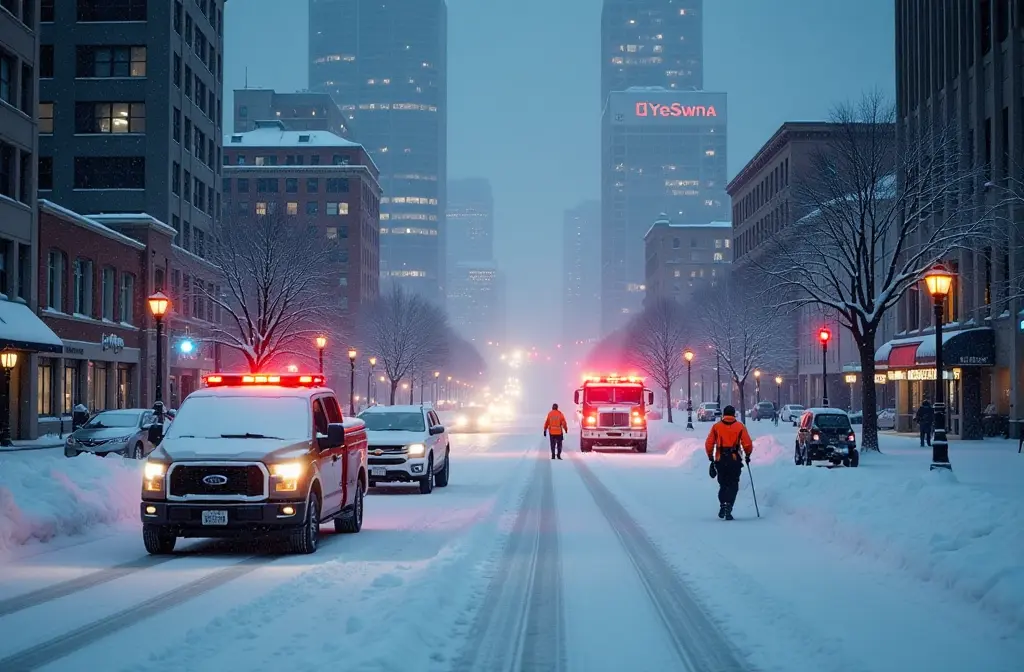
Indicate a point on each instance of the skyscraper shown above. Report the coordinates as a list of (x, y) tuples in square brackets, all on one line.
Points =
[(661, 152), (474, 286), (651, 43), (581, 272), (387, 63), (469, 221)]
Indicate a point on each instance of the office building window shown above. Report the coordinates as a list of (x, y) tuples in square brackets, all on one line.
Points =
[(177, 71), (107, 287), (176, 125), (312, 207), (110, 117), (28, 90), (243, 185), (337, 185), (110, 172), (95, 61), (83, 287), (46, 63), (127, 298), (312, 185), (6, 78), (175, 178), (55, 280), (291, 185), (45, 173), (46, 118), (8, 155), (111, 10), (46, 11), (178, 13), (292, 208)]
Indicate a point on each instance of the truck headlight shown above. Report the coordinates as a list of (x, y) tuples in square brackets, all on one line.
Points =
[(286, 476), (416, 449), (153, 476)]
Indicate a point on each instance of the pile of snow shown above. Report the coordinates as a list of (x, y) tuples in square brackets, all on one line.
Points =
[(48, 496), (963, 532)]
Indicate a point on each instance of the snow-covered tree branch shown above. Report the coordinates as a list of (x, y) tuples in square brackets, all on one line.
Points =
[(882, 212), (658, 338), (272, 288)]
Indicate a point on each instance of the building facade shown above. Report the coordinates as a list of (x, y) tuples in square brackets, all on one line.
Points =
[(474, 300), (966, 74), (469, 221), (387, 63), (661, 152), (474, 285), (130, 123), (299, 111), (581, 273), (318, 178), (683, 260), (652, 43), (94, 298)]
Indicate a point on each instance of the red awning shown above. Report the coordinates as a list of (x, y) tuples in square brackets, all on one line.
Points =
[(903, 356)]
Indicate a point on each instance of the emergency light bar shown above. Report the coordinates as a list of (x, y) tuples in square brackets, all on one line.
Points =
[(613, 379), (283, 380)]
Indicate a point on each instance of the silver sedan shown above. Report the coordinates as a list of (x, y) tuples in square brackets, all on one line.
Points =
[(123, 431)]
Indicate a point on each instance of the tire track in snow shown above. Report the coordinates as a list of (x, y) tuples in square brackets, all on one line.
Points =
[(520, 626), (698, 642)]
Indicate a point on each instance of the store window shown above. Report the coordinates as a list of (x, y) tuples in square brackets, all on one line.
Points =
[(70, 388), (124, 387), (97, 387), (44, 374)]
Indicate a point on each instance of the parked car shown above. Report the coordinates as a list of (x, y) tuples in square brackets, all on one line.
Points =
[(887, 419), (124, 432), (826, 434), (791, 413), (857, 417), (708, 411), (763, 410), (407, 444)]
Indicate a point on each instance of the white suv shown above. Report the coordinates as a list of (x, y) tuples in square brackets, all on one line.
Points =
[(406, 444)]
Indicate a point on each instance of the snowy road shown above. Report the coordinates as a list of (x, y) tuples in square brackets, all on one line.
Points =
[(606, 561)]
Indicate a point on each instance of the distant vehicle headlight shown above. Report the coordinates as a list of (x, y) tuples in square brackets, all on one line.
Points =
[(461, 421), (416, 449), (483, 421)]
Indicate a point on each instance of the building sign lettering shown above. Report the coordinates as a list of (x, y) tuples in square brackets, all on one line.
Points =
[(968, 360), (922, 374), (71, 350), (646, 109), (112, 342), (881, 379)]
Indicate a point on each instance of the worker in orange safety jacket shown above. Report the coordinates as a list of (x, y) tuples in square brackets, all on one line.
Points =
[(555, 427), (729, 437)]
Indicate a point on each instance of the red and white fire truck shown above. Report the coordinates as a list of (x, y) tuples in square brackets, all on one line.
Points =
[(614, 412)]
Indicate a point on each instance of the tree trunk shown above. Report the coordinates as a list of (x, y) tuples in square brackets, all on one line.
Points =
[(743, 400), (394, 391), (869, 403), (412, 390), (668, 397)]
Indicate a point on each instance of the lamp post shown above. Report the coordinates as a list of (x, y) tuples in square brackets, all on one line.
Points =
[(321, 343), (369, 379), (851, 380), (939, 281), (9, 359), (352, 354), (757, 386), (824, 336), (718, 379), (158, 306), (437, 385), (688, 356), (778, 395)]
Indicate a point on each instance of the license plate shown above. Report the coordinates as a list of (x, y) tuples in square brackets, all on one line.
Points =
[(378, 471), (215, 517), (614, 433)]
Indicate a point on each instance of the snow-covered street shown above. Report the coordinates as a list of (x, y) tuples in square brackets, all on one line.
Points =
[(606, 561)]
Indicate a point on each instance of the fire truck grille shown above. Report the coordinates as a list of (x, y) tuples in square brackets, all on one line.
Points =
[(613, 420)]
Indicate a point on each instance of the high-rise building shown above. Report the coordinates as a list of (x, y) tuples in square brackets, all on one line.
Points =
[(651, 43), (473, 301), (130, 124), (469, 221), (387, 63), (298, 111), (581, 273), (662, 151), (684, 260)]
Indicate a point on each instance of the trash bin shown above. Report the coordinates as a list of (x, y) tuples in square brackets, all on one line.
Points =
[(79, 416)]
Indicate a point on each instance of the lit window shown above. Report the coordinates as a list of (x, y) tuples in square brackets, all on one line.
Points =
[(718, 244), (292, 208), (261, 208), (332, 233), (676, 273), (709, 152), (46, 118), (719, 256)]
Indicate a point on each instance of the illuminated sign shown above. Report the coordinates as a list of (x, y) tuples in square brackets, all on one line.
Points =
[(644, 109), (880, 379), (922, 374), (851, 379)]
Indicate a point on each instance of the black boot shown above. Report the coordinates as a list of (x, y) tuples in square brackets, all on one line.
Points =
[(559, 456), (721, 510), (728, 512)]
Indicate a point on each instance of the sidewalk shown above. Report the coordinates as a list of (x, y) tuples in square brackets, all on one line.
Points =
[(42, 443)]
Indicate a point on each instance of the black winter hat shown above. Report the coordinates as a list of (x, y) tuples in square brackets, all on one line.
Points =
[(729, 410)]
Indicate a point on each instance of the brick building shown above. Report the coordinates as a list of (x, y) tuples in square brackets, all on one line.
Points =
[(93, 292), (318, 178), (683, 259)]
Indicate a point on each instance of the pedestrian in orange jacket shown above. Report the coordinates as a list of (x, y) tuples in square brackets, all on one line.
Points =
[(729, 437), (555, 427)]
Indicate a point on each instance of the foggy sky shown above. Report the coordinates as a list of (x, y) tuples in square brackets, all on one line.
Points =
[(523, 92)]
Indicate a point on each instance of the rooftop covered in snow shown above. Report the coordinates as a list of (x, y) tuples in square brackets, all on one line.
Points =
[(274, 134)]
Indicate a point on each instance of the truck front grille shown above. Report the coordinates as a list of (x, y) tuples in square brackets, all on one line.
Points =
[(242, 481), (613, 420)]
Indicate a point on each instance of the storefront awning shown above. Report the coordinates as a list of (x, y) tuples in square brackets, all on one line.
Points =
[(960, 347), (21, 329)]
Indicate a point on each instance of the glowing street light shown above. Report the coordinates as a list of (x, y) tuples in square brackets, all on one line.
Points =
[(688, 356), (824, 336), (939, 281)]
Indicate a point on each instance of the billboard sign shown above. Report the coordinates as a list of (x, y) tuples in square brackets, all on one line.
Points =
[(642, 107)]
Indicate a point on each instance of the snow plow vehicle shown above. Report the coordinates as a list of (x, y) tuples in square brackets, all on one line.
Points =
[(613, 412)]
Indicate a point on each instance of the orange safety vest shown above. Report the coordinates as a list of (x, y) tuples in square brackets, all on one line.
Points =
[(555, 423)]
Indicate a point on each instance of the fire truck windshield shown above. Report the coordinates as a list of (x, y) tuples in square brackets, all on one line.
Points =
[(613, 394)]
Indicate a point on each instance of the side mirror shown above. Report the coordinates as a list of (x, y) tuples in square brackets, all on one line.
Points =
[(576, 397), (437, 429), (650, 398), (335, 436), (155, 434)]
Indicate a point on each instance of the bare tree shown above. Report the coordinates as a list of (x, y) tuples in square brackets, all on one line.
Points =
[(747, 334), (1010, 244), (658, 337), (407, 333), (882, 213), (272, 286)]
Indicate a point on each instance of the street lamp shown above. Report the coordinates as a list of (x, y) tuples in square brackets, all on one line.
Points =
[(321, 343), (158, 307), (757, 386), (8, 359), (939, 281), (369, 379), (352, 381), (851, 380), (437, 376), (778, 395), (824, 336), (718, 379), (688, 356)]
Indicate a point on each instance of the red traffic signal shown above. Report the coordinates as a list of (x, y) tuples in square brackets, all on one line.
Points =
[(824, 335)]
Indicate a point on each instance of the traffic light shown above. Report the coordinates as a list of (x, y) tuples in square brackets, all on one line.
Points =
[(824, 335), (186, 346)]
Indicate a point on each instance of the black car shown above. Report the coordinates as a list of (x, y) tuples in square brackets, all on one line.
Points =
[(826, 435), (764, 410)]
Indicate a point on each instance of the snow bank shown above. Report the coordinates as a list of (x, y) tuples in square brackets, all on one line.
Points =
[(964, 536), (47, 496)]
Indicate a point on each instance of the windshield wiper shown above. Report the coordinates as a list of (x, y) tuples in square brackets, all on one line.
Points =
[(98, 425), (249, 435)]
